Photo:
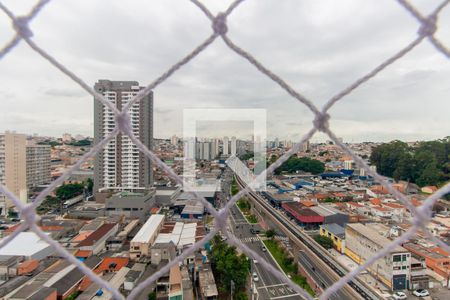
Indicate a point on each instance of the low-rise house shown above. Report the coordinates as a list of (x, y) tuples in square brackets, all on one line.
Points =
[(336, 233), (175, 283), (68, 279), (96, 241), (34, 291), (381, 212), (133, 276), (419, 276), (9, 265), (207, 284), (162, 251), (429, 189), (435, 258), (27, 267)]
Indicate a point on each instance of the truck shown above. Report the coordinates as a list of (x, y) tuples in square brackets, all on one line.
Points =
[(73, 201)]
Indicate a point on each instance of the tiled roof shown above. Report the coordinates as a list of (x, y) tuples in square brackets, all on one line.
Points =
[(97, 235)]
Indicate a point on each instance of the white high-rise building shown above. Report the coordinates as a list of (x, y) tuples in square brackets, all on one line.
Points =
[(206, 151), (38, 164), (120, 164), (226, 152), (306, 146), (13, 172), (174, 140), (67, 137), (276, 143), (214, 148), (348, 164), (233, 145)]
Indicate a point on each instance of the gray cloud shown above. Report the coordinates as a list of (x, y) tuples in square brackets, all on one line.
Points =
[(319, 47)]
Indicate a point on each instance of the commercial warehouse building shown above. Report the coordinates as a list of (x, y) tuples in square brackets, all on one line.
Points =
[(305, 217), (362, 242), (141, 243), (336, 233), (28, 245), (330, 214)]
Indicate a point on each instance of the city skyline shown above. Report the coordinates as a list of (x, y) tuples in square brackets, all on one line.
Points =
[(389, 107)]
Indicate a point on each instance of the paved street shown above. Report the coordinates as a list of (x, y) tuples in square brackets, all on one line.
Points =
[(268, 286), (320, 276)]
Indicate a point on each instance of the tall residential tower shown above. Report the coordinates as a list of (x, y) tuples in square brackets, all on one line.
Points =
[(120, 165), (13, 170)]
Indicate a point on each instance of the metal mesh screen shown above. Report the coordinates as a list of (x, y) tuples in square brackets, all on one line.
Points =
[(422, 214)]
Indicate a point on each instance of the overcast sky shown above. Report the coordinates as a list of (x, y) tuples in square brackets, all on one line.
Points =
[(319, 47)]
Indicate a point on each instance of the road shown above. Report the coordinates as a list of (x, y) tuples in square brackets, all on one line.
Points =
[(268, 285), (320, 276), (318, 258)]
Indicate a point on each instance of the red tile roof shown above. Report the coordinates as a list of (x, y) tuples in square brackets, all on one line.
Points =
[(51, 228), (11, 229), (393, 205), (113, 264), (97, 235), (375, 201), (83, 253)]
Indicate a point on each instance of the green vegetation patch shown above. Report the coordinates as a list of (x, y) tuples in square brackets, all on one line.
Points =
[(294, 164), (324, 241), (426, 163), (287, 265), (251, 219)]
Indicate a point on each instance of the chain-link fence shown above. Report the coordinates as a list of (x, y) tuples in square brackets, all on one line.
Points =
[(422, 214)]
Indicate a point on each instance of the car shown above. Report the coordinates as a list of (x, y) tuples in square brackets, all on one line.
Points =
[(421, 293), (264, 249), (255, 277), (399, 295), (255, 261)]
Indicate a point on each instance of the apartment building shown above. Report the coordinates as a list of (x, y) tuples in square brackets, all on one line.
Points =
[(38, 165), (120, 165), (362, 242), (13, 171)]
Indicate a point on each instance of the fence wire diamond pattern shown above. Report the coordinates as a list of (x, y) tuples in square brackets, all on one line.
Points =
[(422, 214)]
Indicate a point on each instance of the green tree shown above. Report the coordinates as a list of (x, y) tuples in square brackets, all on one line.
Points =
[(228, 265), (428, 163), (387, 156), (68, 191), (406, 168), (330, 200), (273, 158), (90, 185), (305, 164), (247, 155), (270, 233), (429, 176), (241, 296), (80, 143), (324, 241), (152, 296)]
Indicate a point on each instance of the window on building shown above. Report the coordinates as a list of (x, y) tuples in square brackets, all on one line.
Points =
[(404, 257), (397, 258)]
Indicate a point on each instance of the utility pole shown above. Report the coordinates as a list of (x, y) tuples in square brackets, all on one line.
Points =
[(231, 288)]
